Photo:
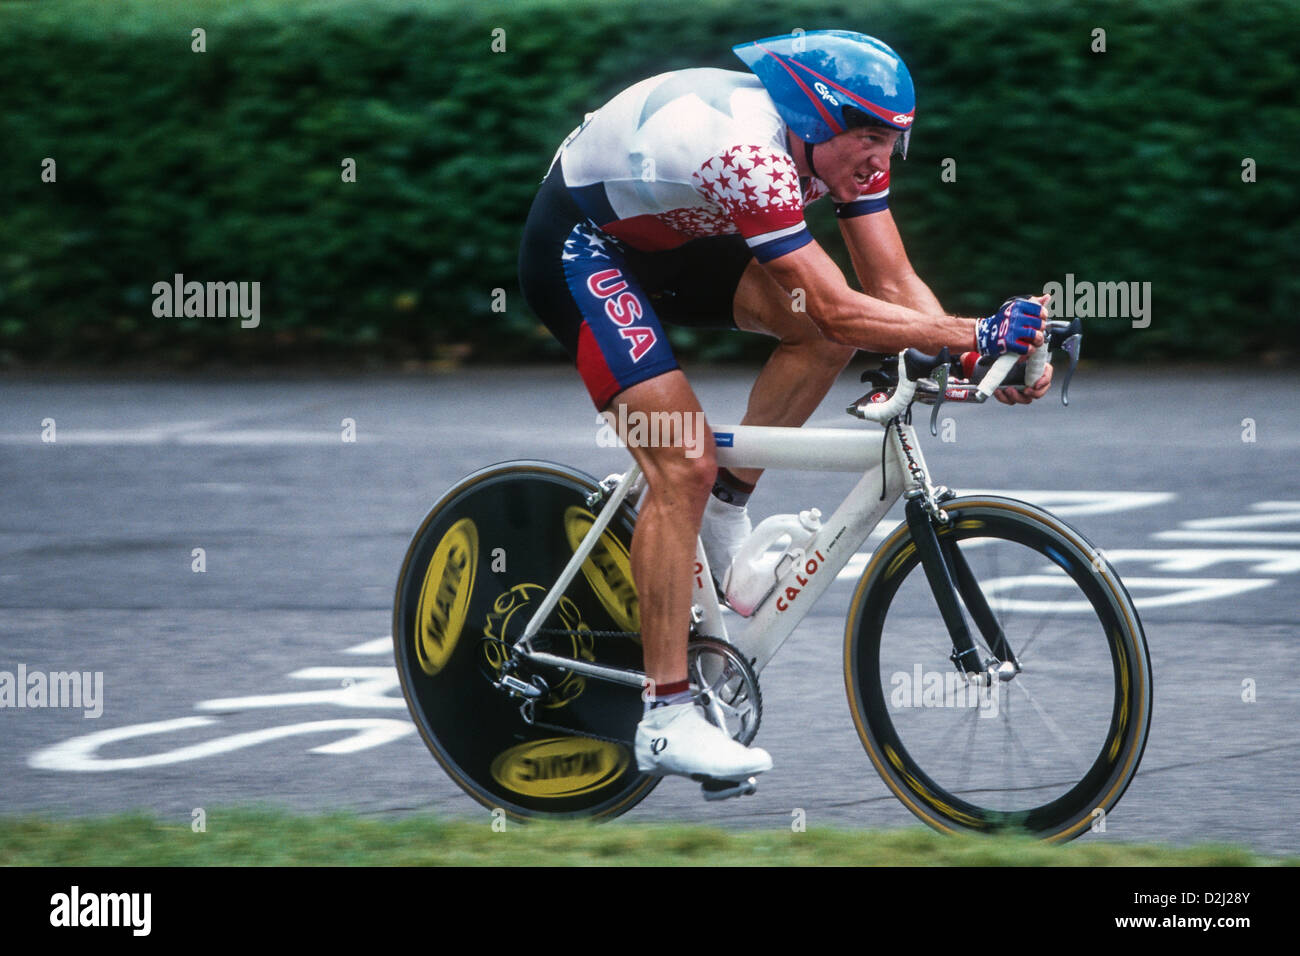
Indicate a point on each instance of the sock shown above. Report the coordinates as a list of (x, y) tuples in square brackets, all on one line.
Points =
[(731, 489), (665, 695)]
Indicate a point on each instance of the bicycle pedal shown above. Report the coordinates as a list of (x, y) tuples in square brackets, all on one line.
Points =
[(714, 789)]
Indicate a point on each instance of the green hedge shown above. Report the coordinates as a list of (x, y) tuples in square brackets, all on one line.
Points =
[(225, 165)]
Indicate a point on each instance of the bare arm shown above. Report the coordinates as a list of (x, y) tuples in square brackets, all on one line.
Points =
[(865, 321), (884, 270), (899, 310), (881, 262)]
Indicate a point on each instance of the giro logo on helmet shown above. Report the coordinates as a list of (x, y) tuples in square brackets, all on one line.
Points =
[(826, 94), (902, 119)]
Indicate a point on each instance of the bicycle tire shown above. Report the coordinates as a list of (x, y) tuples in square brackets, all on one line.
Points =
[(1085, 655), (487, 550)]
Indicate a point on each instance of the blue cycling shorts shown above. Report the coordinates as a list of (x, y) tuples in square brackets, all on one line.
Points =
[(606, 302)]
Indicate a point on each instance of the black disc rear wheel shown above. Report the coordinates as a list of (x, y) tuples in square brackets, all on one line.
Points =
[(478, 567)]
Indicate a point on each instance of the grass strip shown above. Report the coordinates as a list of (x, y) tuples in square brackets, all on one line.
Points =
[(270, 837)]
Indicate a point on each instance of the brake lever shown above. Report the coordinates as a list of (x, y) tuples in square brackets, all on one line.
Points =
[(1068, 337), (939, 375)]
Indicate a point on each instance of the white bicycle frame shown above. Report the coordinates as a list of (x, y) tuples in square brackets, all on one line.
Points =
[(892, 465)]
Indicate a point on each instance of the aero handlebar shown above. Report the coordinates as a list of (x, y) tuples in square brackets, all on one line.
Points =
[(938, 378)]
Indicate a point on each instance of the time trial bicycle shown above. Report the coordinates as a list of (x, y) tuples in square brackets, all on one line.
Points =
[(996, 669)]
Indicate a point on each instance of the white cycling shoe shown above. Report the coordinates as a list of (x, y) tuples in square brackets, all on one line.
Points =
[(677, 739), (723, 531)]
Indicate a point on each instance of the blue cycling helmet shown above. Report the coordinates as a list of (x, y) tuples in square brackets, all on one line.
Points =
[(813, 76)]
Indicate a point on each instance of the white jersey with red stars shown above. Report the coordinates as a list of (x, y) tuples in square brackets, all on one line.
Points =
[(690, 154)]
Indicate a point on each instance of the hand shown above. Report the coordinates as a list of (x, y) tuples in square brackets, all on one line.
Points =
[(1018, 395), (1014, 327)]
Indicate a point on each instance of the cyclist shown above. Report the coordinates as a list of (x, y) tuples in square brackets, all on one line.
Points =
[(681, 200)]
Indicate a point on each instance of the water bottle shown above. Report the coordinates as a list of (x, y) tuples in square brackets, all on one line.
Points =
[(762, 558)]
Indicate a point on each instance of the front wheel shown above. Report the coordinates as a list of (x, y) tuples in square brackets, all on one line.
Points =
[(1049, 750)]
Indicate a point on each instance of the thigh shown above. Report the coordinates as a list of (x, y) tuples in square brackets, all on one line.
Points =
[(761, 305), (664, 427)]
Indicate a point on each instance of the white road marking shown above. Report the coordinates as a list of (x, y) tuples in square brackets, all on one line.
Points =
[(1179, 591), (1275, 512), (1063, 504), (265, 436), (183, 435), (356, 687), (80, 754), (380, 645), (1232, 537), (225, 487), (1260, 560), (1230, 529)]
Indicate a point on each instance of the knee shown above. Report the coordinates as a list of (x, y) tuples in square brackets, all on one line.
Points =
[(823, 354), (684, 478), (696, 473)]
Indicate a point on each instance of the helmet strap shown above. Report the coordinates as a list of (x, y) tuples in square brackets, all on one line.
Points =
[(807, 152)]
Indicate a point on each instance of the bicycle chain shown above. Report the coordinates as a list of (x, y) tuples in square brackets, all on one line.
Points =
[(573, 730), (549, 631), (584, 733), (555, 632)]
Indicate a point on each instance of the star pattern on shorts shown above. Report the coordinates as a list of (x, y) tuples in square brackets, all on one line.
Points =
[(588, 242)]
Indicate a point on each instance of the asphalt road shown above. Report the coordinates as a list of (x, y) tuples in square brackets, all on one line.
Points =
[(1186, 479)]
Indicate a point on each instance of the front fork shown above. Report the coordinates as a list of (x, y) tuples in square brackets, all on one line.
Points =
[(951, 581)]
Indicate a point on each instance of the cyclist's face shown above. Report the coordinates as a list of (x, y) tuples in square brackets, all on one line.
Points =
[(848, 161)]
